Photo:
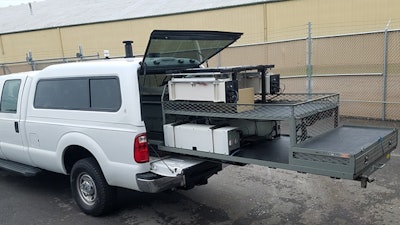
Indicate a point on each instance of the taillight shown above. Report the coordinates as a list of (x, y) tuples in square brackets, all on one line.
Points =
[(141, 149)]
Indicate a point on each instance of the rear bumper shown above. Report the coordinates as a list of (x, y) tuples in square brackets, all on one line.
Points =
[(152, 183), (195, 175)]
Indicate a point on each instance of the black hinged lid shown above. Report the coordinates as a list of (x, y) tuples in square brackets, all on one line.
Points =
[(174, 49)]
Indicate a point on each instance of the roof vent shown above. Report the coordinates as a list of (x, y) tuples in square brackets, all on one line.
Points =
[(128, 49)]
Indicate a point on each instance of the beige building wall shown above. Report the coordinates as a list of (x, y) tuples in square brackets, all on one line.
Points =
[(259, 22), (94, 38), (288, 19), (42, 43)]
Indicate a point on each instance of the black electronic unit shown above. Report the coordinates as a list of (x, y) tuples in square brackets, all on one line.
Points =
[(231, 91), (273, 84)]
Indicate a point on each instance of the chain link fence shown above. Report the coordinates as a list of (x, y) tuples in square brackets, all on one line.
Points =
[(31, 65), (363, 68)]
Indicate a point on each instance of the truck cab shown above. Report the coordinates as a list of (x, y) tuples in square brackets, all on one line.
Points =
[(88, 113)]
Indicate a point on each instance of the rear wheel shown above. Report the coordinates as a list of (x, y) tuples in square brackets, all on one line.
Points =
[(90, 189)]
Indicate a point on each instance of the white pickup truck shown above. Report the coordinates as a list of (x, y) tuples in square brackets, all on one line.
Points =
[(111, 123)]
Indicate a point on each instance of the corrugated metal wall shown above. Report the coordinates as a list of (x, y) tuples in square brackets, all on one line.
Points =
[(287, 19), (259, 23), (63, 42)]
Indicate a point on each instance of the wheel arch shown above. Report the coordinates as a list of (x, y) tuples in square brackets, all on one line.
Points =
[(73, 154), (75, 146)]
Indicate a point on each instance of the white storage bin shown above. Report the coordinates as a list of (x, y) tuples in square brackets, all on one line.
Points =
[(197, 89), (194, 136)]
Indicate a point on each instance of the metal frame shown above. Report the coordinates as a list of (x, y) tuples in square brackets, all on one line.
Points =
[(311, 118), (288, 107)]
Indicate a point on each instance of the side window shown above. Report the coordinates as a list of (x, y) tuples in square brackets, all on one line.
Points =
[(97, 94), (9, 96), (62, 94), (105, 94)]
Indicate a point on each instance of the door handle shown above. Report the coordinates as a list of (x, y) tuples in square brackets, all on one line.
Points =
[(16, 126)]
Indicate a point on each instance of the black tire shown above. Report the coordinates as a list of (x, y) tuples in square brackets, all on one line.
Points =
[(90, 189)]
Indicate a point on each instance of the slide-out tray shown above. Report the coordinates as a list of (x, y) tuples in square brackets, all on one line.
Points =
[(344, 152), (349, 150)]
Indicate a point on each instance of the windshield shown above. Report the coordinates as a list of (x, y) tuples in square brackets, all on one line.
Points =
[(172, 50)]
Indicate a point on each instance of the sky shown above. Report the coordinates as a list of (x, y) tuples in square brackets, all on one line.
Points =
[(5, 3)]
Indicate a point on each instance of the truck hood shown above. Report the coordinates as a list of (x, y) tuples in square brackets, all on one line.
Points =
[(175, 50)]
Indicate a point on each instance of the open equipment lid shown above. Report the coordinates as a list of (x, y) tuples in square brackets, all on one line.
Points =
[(175, 50)]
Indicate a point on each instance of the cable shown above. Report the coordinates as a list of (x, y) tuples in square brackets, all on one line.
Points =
[(152, 148)]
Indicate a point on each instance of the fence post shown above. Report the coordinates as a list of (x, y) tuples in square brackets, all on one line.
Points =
[(309, 64), (30, 61), (384, 73), (80, 53)]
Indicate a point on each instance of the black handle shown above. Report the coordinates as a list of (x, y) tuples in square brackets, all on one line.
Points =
[(16, 127)]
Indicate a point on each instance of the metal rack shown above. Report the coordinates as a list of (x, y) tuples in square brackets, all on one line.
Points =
[(279, 107), (305, 112)]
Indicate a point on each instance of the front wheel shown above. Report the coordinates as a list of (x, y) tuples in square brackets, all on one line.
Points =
[(90, 189)]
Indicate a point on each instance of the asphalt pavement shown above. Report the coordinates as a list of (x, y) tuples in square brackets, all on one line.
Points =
[(237, 195)]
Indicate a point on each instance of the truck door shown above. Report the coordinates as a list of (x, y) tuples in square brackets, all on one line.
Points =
[(11, 142)]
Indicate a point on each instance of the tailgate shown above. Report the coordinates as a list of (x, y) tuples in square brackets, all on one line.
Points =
[(172, 166), (349, 152), (176, 172), (194, 171)]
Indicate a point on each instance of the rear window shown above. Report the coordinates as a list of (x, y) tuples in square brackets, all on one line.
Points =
[(93, 94)]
